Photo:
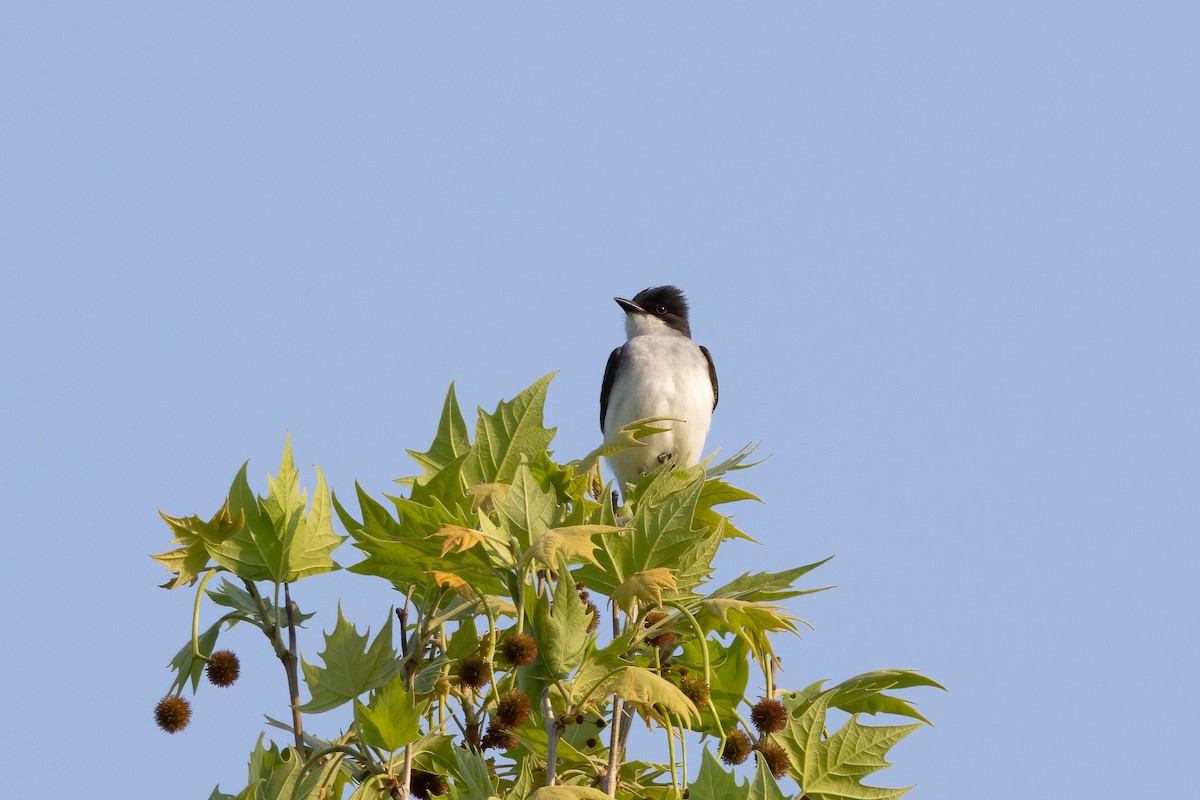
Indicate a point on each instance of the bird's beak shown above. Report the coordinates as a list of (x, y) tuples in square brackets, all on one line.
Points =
[(628, 306)]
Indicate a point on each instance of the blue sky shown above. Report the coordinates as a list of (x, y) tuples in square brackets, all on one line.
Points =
[(944, 255)]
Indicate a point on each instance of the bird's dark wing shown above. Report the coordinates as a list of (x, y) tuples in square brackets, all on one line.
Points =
[(610, 373), (712, 374)]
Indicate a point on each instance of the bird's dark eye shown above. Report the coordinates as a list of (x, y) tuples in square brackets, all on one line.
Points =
[(660, 309)]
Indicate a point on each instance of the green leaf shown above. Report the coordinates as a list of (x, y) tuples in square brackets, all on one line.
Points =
[(644, 688), (714, 783), (464, 642), (189, 668), (764, 787), (351, 667), (527, 510), (198, 538), (474, 782), (280, 541), (662, 535), (512, 432), (730, 670), (567, 793), (561, 628), (391, 719), (769, 586), (572, 542), (833, 768), (231, 595), (450, 442), (864, 694)]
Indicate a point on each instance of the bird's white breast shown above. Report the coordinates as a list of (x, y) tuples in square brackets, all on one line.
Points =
[(660, 376)]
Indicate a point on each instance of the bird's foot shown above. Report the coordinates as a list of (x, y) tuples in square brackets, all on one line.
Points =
[(665, 457)]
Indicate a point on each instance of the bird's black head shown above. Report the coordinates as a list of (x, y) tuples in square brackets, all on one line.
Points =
[(664, 303)]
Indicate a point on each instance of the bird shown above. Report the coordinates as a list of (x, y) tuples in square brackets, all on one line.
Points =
[(658, 372)]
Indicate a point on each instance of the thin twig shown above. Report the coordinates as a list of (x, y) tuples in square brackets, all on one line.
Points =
[(291, 664)]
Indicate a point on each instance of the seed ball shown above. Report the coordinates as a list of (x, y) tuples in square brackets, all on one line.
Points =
[(519, 649), (223, 668), (768, 715), (737, 748), (474, 671), (172, 713), (695, 690), (512, 709), (776, 758)]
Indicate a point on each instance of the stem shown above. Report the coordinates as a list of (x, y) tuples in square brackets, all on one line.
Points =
[(707, 665), (671, 746), (683, 747), (196, 615), (614, 748), (553, 731), (290, 665)]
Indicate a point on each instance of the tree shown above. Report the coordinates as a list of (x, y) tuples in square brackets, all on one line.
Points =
[(500, 674)]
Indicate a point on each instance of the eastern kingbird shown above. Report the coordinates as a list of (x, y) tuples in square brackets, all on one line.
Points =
[(659, 372)]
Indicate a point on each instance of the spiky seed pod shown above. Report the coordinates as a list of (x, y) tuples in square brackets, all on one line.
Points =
[(223, 668), (585, 595), (427, 784), (591, 742), (497, 738), (519, 649), (474, 671), (683, 671), (768, 715), (595, 612), (737, 748), (511, 710), (601, 722), (776, 758), (661, 639), (173, 713), (695, 690)]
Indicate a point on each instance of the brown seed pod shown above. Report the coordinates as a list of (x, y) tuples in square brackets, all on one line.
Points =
[(497, 738), (737, 748), (695, 690), (519, 649), (427, 784), (172, 713), (511, 710), (474, 671), (223, 668), (776, 758), (768, 715)]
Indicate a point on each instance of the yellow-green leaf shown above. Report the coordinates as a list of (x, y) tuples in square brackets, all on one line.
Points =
[(645, 587)]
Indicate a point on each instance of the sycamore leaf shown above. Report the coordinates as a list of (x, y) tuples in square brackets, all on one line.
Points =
[(351, 667), (390, 719), (561, 628), (769, 586), (632, 435), (832, 768), (572, 542), (185, 664), (662, 535), (514, 430), (233, 596), (198, 538), (527, 510), (485, 496), (450, 442), (729, 666), (764, 787), (864, 694), (284, 538), (457, 538), (645, 587), (744, 617), (714, 783), (644, 688), (568, 793), (474, 780)]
